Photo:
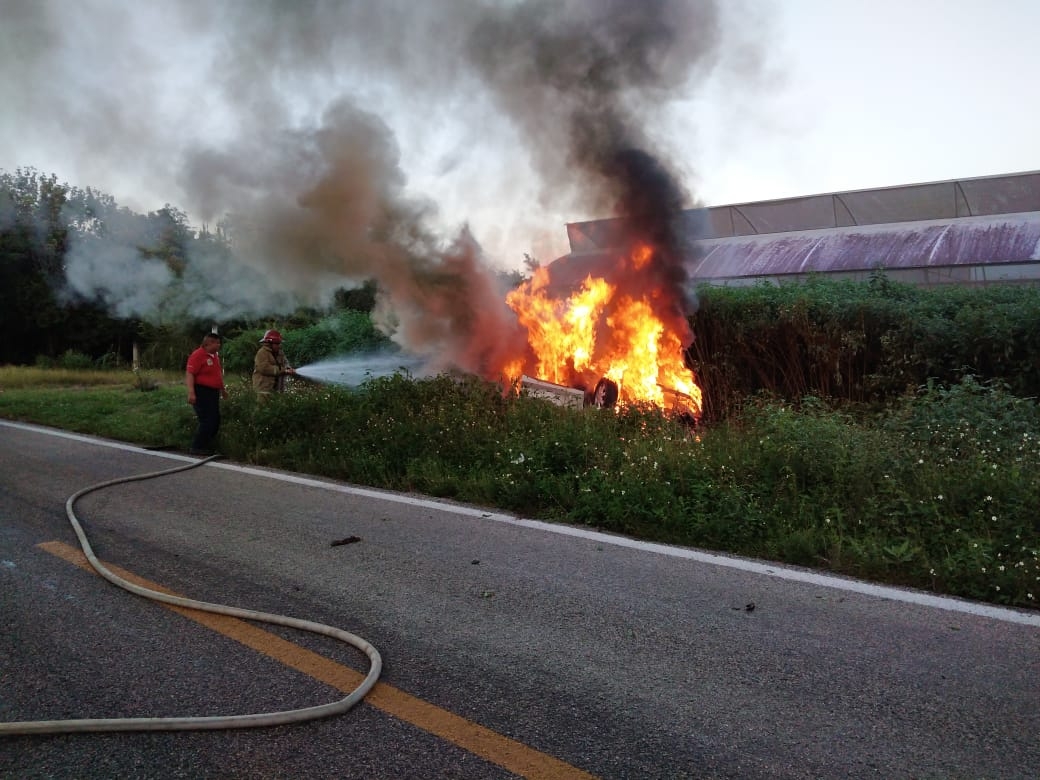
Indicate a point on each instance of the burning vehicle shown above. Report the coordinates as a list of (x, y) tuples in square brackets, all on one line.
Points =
[(616, 334)]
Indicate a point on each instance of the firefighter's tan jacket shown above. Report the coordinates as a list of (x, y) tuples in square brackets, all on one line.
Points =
[(269, 370)]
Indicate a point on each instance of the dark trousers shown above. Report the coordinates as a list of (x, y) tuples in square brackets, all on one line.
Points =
[(207, 409)]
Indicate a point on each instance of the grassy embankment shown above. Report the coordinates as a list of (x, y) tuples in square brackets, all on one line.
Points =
[(939, 490)]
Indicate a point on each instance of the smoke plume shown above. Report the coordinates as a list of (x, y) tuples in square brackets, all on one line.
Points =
[(584, 81), (277, 117)]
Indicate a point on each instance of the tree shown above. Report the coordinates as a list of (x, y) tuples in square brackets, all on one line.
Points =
[(361, 298), (32, 245), (39, 314)]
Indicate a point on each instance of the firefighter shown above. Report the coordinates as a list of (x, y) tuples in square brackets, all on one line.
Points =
[(270, 368)]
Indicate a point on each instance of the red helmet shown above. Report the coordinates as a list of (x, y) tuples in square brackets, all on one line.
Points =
[(271, 337)]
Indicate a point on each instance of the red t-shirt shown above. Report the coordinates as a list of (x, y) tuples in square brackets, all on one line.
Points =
[(206, 368)]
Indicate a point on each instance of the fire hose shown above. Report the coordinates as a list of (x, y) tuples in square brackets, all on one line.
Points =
[(210, 722)]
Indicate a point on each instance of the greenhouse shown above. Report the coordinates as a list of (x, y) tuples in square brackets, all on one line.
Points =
[(966, 231)]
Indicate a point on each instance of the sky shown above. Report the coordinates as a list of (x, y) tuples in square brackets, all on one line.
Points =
[(881, 93), (794, 98)]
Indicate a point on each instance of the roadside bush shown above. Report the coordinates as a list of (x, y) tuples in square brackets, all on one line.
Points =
[(75, 361), (971, 461), (342, 333), (860, 342)]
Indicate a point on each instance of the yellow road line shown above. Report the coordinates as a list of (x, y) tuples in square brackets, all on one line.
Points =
[(514, 756)]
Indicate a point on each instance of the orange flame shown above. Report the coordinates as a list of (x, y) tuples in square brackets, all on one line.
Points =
[(598, 331)]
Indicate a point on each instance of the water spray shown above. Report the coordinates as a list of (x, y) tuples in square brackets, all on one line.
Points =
[(353, 371)]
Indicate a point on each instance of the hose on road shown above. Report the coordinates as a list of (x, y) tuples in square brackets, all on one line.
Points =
[(210, 722)]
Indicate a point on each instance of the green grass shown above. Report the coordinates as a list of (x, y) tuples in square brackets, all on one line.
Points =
[(22, 377), (938, 490), (101, 406)]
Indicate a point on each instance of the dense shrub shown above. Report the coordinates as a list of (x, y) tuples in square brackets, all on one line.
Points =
[(861, 342), (73, 360), (342, 333)]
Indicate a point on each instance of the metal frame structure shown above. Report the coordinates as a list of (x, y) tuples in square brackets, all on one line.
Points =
[(967, 231)]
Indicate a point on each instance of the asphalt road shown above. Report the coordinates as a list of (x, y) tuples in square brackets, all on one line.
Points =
[(510, 648)]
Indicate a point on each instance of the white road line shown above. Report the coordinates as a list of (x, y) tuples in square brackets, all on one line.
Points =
[(778, 571)]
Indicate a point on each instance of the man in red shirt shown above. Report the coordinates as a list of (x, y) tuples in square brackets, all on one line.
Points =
[(204, 379)]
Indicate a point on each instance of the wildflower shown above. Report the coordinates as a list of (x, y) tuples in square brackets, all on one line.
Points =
[(939, 497)]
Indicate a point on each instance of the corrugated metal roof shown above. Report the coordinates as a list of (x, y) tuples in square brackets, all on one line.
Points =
[(1013, 238), (990, 195)]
